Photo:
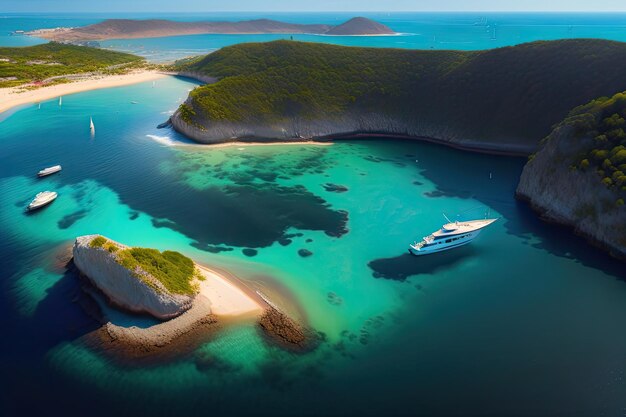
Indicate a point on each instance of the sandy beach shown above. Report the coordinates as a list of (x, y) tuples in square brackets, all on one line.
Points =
[(228, 298), (16, 96)]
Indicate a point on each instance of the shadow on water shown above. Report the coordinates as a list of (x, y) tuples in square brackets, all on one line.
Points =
[(560, 241), (404, 266), (58, 317)]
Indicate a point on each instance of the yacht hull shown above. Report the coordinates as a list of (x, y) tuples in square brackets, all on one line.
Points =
[(443, 246)]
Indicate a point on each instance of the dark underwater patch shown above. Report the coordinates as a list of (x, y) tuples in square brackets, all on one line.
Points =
[(249, 252), (211, 248), (305, 253), (440, 193), (246, 215), (68, 220), (335, 188)]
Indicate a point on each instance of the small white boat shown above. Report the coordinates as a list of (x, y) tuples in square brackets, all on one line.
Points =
[(61, 101), (134, 102), (42, 199), (48, 171), (92, 127), (450, 236)]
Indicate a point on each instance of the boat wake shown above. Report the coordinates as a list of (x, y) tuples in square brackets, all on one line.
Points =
[(164, 140)]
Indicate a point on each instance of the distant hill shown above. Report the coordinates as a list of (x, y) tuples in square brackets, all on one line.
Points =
[(504, 99), (128, 28), (53, 61), (360, 26)]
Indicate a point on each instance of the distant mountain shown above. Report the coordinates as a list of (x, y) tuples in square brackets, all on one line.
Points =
[(154, 28), (360, 26)]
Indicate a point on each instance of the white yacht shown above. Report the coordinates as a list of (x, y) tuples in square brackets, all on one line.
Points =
[(42, 199), (451, 235), (48, 171)]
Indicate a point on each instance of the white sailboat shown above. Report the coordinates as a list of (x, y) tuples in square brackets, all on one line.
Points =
[(451, 235), (60, 100), (153, 84), (38, 106), (92, 127)]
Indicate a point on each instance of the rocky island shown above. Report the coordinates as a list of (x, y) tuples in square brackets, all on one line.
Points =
[(153, 28), (578, 177), (502, 100), (187, 297)]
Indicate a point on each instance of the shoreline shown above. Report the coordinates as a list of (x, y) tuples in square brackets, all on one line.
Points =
[(15, 96)]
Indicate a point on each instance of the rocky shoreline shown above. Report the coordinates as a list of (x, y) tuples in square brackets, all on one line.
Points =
[(354, 128), (572, 197)]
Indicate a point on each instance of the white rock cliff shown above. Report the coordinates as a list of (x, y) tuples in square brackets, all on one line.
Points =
[(122, 286)]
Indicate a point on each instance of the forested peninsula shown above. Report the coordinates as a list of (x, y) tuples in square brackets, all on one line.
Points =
[(500, 100)]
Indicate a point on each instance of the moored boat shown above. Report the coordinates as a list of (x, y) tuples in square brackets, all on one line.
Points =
[(48, 171), (42, 199), (450, 236)]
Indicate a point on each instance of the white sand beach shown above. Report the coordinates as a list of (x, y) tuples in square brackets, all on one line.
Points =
[(16, 96), (227, 298)]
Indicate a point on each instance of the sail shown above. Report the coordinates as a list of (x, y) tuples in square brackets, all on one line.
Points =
[(60, 101), (91, 125)]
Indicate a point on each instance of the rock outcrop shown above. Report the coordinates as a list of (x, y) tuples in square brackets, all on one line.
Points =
[(122, 286), (573, 197), (287, 332)]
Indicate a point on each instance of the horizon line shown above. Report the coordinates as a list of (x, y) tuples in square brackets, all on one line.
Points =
[(321, 11)]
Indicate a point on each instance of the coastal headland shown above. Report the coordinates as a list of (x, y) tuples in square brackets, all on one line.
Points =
[(502, 100), (192, 300)]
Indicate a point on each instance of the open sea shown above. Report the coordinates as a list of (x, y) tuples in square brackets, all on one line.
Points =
[(526, 320)]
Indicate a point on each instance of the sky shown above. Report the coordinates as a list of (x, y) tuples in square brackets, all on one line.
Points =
[(307, 5)]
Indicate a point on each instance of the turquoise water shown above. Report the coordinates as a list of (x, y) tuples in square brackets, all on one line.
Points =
[(466, 31), (528, 319)]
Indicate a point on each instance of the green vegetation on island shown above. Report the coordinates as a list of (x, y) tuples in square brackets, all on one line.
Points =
[(52, 61), (175, 271), (599, 128), (505, 95), (578, 176)]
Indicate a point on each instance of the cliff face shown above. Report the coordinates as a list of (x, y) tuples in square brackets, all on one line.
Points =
[(573, 197), (354, 126), (122, 286)]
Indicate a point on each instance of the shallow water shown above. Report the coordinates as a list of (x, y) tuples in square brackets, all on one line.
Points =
[(526, 319)]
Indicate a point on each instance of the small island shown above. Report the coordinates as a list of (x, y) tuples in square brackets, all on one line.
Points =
[(154, 28), (170, 287)]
